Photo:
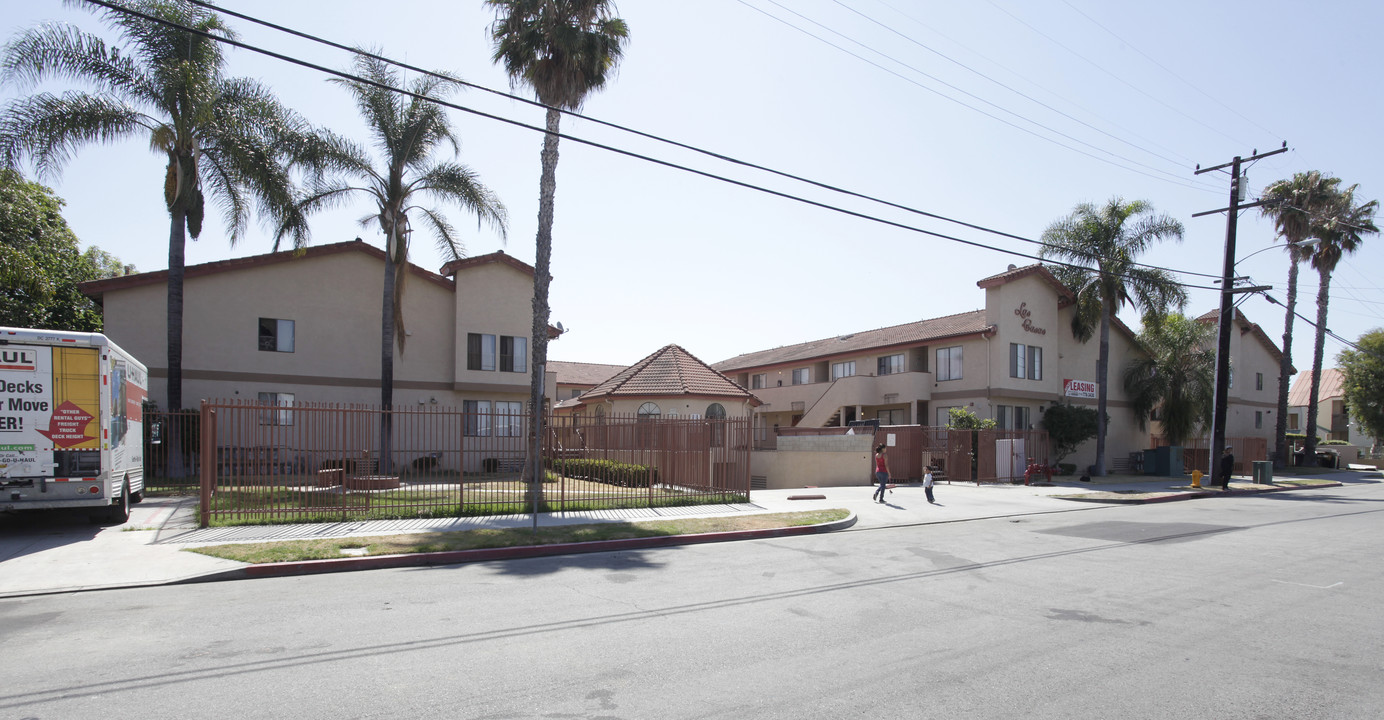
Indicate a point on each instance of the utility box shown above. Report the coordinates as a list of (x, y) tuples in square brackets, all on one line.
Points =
[(1165, 461), (1263, 472)]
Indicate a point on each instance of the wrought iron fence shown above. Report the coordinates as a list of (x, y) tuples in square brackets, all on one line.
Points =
[(319, 462), (172, 450)]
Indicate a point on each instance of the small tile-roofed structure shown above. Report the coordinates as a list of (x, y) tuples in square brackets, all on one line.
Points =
[(966, 323), (669, 372), (582, 374)]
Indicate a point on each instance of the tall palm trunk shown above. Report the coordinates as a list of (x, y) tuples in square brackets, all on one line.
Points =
[(177, 241), (1102, 377), (387, 360), (1310, 446), (1285, 366), (547, 191)]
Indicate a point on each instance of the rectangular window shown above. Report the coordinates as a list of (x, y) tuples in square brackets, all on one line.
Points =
[(514, 354), (757, 381), (1018, 361), (476, 422), (842, 369), (275, 335), (1259, 381), (1293, 421), (943, 416), (508, 419), (891, 417), (890, 364), (1021, 419), (1002, 417), (1258, 419), (801, 376), (949, 361), (1035, 362), (480, 351), (271, 415)]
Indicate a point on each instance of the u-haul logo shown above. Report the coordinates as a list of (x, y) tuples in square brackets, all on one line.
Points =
[(18, 359)]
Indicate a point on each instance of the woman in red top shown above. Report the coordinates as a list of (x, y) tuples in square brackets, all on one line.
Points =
[(881, 473)]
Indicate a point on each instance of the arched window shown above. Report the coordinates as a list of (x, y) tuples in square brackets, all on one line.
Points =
[(599, 413), (716, 414), (649, 411)]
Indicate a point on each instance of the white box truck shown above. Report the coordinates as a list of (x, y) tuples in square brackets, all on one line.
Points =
[(71, 423)]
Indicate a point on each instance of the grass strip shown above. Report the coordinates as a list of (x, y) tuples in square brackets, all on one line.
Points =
[(297, 550)]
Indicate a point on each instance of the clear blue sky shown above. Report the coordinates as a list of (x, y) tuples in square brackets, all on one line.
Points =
[(646, 255)]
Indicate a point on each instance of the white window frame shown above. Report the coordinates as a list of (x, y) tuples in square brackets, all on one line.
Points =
[(757, 381), (950, 362), (281, 336), (802, 376), (276, 417), (891, 364), (842, 369)]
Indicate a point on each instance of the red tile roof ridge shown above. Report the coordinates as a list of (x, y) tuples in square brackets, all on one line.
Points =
[(977, 314)]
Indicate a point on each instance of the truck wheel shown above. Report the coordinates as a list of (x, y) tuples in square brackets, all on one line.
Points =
[(119, 513)]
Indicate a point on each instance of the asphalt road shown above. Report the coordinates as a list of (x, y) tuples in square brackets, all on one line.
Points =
[(1241, 607)]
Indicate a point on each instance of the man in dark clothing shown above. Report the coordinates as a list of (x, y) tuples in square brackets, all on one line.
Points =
[(1227, 467)]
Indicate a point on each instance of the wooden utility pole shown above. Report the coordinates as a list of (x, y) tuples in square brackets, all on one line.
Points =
[(1228, 290)]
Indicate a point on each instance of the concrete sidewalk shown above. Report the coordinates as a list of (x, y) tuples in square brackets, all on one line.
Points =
[(61, 552)]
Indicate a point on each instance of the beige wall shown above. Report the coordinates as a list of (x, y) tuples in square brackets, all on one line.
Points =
[(334, 301), (817, 461)]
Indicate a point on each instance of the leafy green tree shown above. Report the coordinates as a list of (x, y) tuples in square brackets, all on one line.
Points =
[(1341, 233), (408, 130), (224, 138), (1364, 383), (41, 263), (1296, 206), (959, 418), (1102, 245), (1177, 378), (1068, 426), (564, 50)]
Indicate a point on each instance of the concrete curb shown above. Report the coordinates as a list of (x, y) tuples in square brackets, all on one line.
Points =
[(455, 557), (1192, 495)]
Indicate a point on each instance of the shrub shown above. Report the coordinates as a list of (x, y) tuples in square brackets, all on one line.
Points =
[(1066, 468), (606, 471)]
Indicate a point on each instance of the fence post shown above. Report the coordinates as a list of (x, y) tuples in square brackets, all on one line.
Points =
[(208, 474)]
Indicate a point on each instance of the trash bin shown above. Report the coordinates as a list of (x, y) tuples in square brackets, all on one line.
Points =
[(1263, 472)]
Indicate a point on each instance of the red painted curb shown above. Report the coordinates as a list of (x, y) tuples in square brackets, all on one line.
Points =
[(455, 557)]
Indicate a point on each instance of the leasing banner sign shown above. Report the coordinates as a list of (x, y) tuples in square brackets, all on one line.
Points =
[(1079, 388)]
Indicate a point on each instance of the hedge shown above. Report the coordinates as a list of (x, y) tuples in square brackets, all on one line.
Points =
[(606, 471)]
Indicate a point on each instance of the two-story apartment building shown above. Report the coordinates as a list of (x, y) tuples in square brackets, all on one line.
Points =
[(1008, 361), (289, 327), (1333, 422), (1252, 398)]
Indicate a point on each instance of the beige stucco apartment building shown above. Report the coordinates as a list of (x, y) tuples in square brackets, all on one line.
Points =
[(1008, 361), (287, 327)]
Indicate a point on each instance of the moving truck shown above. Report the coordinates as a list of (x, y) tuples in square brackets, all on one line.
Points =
[(71, 423)]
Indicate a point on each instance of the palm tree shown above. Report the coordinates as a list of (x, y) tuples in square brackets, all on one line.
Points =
[(1101, 245), (1340, 234), (1294, 206), (563, 50), (224, 138), (1177, 378), (407, 130)]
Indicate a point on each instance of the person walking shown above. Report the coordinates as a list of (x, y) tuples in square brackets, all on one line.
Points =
[(927, 482), (1227, 467), (881, 473)]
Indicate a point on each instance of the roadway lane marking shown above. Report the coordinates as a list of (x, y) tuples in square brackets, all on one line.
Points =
[(1319, 587)]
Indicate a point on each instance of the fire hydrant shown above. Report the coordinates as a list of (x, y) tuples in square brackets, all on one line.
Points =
[(1196, 478)]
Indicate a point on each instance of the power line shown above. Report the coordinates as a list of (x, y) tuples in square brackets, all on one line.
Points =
[(646, 135), (1164, 68), (1183, 158), (992, 116), (619, 151), (1016, 91), (1098, 66)]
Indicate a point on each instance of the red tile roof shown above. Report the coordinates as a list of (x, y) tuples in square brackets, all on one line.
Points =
[(950, 326), (97, 288), (579, 373), (1064, 294), (669, 371), (1333, 386), (1274, 351)]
